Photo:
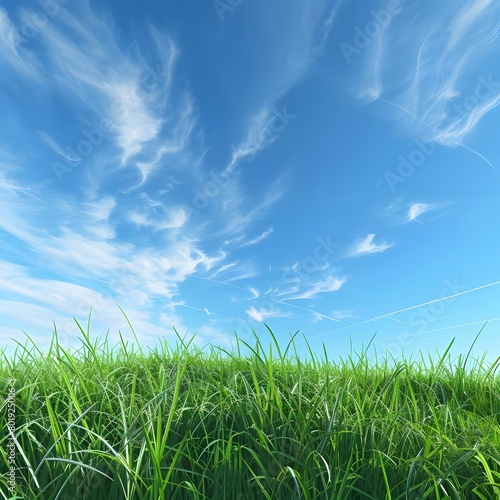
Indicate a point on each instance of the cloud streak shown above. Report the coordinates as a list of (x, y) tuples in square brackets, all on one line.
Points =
[(417, 209), (259, 238), (262, 314), (366, 246), (331, 283)]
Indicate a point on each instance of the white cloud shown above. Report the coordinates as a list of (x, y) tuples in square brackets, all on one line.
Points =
[(464, 18), (133, 119), (213, 335), (233, 214), (311, 289), (403, 213), (245, 271), (60, 295), (259, 238), (173, 218), (416, 209), (58, 149), (177, 142), (367, 246), (224, 268), (291, 52), (327, 27), (100, 210), (336, 316), (343, 314), (262, 314), (262, 133)]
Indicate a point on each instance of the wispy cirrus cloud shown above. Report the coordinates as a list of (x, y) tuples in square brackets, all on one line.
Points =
[(124, 89), (465, 18), (70, 156), (11, 49), (343, 314), (259, 238), (417, 209), (232, 271), (366, 246), (264, 130), (161, 219), (403, 212), (234, 214), (336, 315), (311, 289), (326, 28), (224, 268), (261, 314), (303, 35), (246, 271), (443, 87)]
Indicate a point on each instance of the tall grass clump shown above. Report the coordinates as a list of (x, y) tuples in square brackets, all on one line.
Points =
[(175, 422)]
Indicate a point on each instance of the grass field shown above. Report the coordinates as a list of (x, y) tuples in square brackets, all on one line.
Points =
[(120, 422)]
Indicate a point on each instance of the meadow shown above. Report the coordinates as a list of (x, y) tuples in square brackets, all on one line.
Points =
[(181, 422)]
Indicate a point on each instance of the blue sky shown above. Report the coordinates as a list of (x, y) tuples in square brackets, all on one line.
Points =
[(323, 166)]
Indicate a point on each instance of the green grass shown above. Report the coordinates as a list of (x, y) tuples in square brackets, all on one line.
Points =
[(181, 422)]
